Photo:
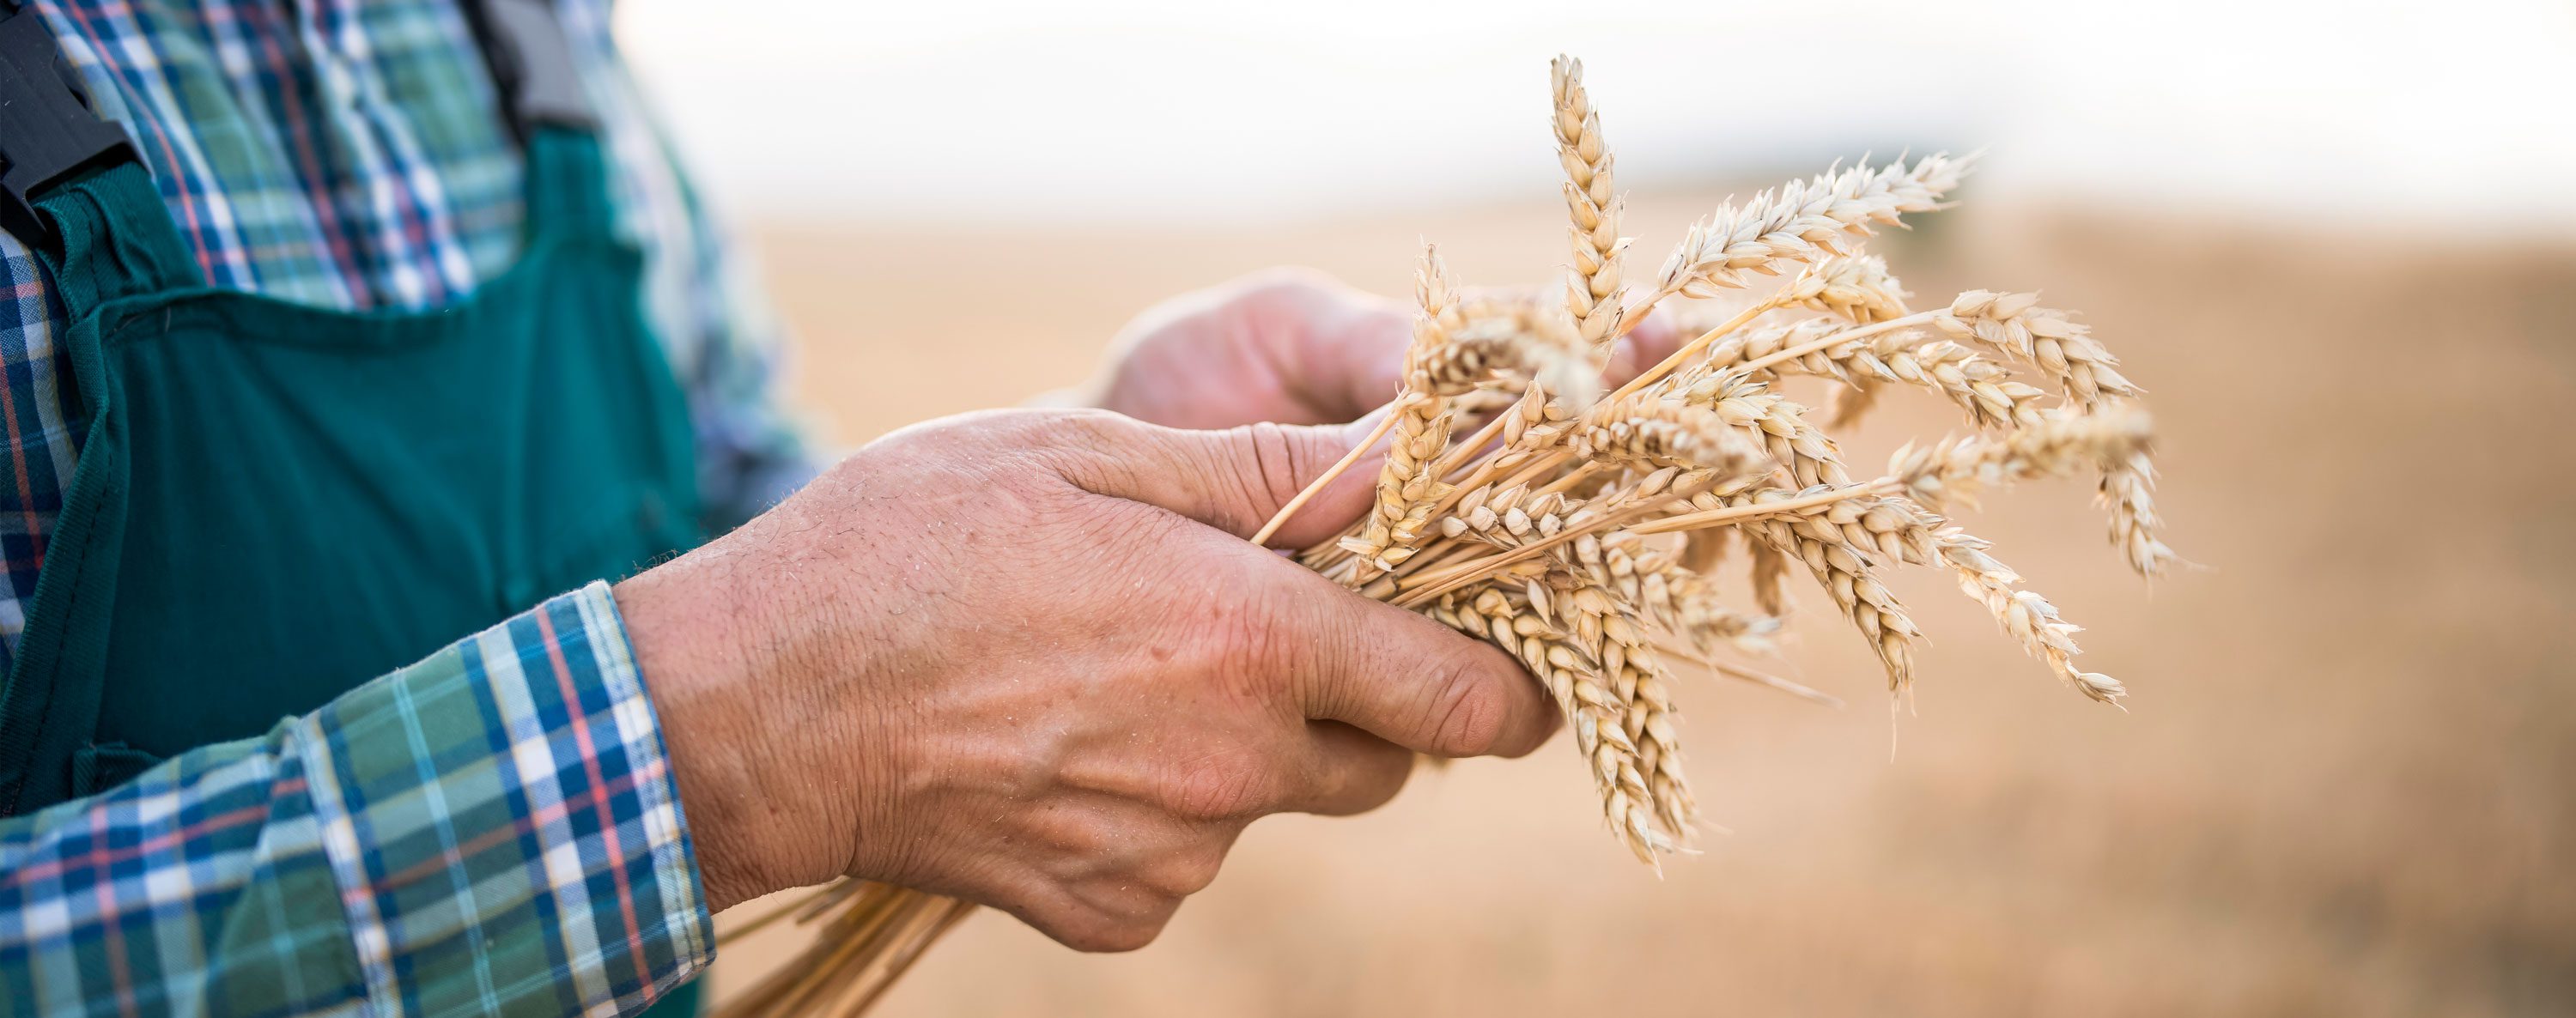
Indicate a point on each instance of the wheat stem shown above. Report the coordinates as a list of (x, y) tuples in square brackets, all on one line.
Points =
[(1316, 486)]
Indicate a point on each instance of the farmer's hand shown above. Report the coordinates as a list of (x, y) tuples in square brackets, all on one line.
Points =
[(1293, 346), (1026, 658)]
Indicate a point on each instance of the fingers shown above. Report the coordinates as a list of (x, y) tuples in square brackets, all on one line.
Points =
[(1234, 480), (1347, 771), (1119, 907), (1337, 351), (1117, 893), (1354, 357), (1415, 683)]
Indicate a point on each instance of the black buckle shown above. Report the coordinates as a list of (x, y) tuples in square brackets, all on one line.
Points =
[(532, 65), (47, 131)]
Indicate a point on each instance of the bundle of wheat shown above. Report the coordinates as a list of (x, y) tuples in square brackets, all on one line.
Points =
[(1579, 530)]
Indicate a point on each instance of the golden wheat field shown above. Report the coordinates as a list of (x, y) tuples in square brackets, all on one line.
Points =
[(2345, 783)]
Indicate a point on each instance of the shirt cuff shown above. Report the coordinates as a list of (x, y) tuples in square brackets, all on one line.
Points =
[(504, 827)]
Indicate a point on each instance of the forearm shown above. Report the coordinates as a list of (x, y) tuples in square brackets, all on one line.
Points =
[(491, 830)]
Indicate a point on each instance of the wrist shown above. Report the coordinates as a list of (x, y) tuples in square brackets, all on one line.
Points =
[(698, 674)]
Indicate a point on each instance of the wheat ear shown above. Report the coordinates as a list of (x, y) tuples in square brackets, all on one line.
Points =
[(1408, 486), (1595, 295), (2024, 615), (1523, 622), (1803, 221), (2015, 325), (1959, 469)]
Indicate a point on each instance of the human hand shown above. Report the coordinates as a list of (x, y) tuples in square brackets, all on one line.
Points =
[(1293, 346), (1026, 659)]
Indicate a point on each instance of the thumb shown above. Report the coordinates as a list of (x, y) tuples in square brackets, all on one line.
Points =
[(1236, 479)]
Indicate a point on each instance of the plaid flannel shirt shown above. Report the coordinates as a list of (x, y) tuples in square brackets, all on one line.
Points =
[(490, 831), (493, 830)]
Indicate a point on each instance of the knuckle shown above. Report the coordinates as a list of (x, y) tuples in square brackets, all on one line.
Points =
[(1096, 933), (1285, 288), (973, 428), (1070, 441), (1540, 730), (1361, 793), (1057, 917), (1381, 782), (1224, 788), (1245, 638), (1129, 923), (1186, 873), (1083, 427), (1003, 447), (1269, 464)]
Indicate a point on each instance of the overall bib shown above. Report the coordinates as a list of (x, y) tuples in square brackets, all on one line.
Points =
[(276, 503)]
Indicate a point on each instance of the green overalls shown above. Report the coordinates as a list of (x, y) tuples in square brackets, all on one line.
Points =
[(275, 503)]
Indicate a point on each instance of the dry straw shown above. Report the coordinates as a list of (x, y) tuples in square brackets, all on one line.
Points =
[(1588, 537)]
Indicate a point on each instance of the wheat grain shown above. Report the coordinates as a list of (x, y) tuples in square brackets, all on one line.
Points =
[(1832, 530)]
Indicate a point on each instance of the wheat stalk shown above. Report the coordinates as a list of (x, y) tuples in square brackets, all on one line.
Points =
[(1584, 536)]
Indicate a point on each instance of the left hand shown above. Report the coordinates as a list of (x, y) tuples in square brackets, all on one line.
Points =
[(1289, 346)]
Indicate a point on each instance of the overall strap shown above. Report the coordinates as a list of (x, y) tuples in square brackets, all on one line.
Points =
[(532, 64), (73, 189)]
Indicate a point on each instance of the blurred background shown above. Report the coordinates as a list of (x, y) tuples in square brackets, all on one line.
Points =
[(2337, 242)]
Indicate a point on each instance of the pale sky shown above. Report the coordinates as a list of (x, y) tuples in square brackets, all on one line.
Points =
[(2458, 115)]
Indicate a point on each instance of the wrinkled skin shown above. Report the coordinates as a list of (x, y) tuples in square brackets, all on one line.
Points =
[(1026, 658)]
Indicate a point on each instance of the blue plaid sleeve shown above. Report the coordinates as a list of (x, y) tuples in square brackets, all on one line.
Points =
[(493, 830)]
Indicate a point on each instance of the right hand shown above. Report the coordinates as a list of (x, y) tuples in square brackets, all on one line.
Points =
[(1027, 659)]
